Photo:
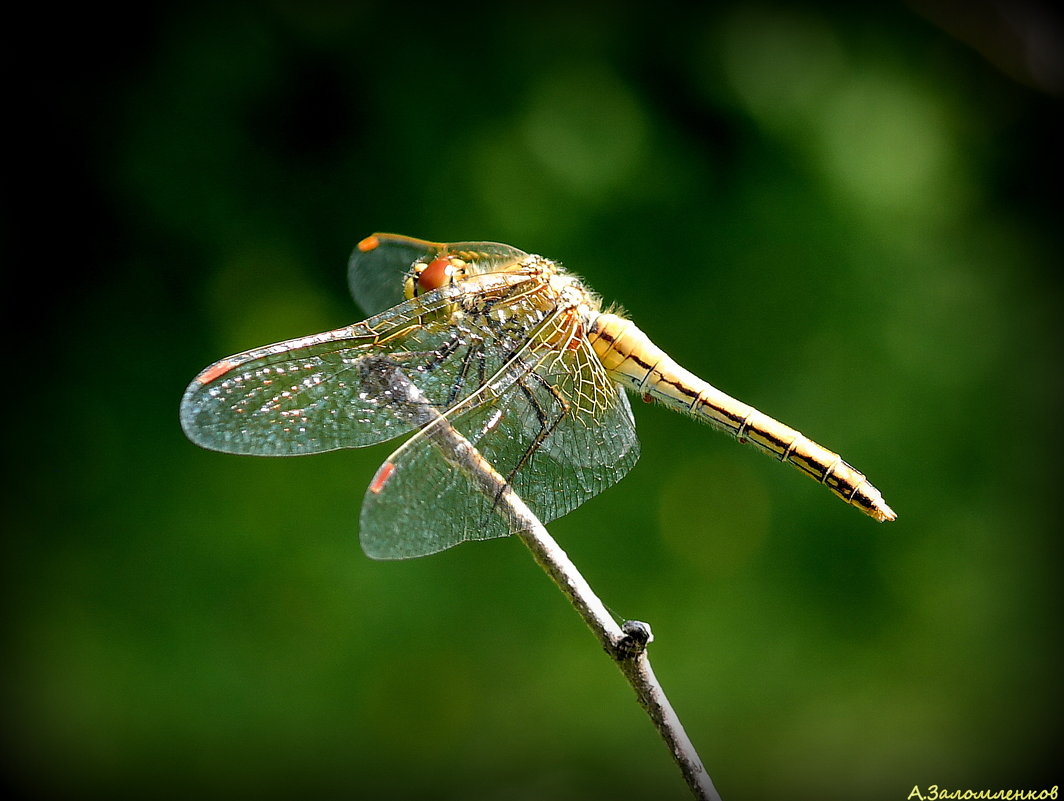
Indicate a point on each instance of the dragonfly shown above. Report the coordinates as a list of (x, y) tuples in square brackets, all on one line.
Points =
[(512, 351)]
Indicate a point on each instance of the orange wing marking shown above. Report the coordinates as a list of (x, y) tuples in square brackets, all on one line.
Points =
[(384, 472), (215, 371)]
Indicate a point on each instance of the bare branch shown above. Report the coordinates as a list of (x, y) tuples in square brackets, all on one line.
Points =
[(626, 647)]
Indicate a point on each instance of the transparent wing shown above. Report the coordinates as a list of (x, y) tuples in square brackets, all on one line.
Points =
[(556, 428), (380, 263), (378, 266), (325, 391)]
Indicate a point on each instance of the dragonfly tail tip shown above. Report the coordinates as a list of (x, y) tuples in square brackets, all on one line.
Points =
[(884, 514)]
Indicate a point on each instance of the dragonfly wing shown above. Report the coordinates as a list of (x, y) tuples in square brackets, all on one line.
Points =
[(378, 266), (582, 429), (380, 263), (420, 504), (325, 391), (555, 426)]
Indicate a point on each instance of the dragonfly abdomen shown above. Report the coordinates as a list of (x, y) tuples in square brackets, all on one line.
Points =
[(637, 363)]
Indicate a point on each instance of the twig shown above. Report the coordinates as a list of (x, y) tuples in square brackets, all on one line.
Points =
[(626, 647)]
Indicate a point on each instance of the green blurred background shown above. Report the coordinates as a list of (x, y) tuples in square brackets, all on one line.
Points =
[(844, 216)]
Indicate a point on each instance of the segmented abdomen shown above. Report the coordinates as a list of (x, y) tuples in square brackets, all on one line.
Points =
[(637, 363)]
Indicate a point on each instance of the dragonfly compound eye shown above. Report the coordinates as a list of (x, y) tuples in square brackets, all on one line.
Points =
[(427, 277), (439, 272)]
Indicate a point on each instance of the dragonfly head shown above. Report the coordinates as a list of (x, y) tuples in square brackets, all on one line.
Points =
[(426, 276)]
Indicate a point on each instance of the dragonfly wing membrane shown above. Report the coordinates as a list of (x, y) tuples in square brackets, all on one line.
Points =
[(297, 397), (326, 391), (377, 267), (553, 425)]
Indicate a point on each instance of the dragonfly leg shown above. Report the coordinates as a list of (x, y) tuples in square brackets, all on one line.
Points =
[(473, 361), (473, 355), (441, 354), (546, 425)]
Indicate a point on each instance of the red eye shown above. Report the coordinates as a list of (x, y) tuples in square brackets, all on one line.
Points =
[(436, 274)]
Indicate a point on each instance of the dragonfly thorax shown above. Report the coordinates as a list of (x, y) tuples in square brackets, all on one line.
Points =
[(571, 294)]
